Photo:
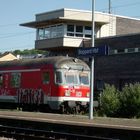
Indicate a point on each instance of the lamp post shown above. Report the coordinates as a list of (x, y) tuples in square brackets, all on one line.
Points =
[(92, 64)]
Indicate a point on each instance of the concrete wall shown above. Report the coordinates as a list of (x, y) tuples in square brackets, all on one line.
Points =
[(118, 69), (50, 43), (110, 28), (120, 42), (105, 21), (50, 15), (127, 26), (122, 67)]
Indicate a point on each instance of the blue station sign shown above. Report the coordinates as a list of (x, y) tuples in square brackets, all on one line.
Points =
[(92, 51)]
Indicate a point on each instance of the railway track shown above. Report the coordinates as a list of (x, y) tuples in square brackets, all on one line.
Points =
[(24, 125), (34, 134)]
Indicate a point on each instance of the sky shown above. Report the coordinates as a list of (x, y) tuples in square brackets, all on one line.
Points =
[(14, 12)]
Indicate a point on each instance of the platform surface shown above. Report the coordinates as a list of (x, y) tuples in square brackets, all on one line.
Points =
[(119, 123)]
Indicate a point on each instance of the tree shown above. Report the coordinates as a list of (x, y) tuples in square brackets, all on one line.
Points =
[(29, 52)]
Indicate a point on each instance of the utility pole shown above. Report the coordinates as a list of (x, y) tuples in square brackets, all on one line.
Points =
[(109, 7)]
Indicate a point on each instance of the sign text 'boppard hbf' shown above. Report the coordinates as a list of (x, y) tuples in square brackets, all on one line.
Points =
[(92, 51)]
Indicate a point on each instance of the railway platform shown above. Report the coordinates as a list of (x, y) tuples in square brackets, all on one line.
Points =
[(99, 127)]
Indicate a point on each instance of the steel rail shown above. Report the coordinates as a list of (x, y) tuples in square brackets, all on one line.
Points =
[(34, 134)]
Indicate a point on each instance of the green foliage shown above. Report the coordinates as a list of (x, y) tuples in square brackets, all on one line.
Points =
[(110, 101), (130, 101), (125, 103), (29, 52)]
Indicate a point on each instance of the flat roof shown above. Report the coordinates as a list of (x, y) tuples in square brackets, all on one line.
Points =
[(35, 24), (63, 18)]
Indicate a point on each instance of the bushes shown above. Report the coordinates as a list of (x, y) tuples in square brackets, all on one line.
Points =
[(109, 101), (125, 103), (130, 101)]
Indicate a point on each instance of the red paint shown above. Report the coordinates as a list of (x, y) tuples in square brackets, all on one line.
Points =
[(31, 82)]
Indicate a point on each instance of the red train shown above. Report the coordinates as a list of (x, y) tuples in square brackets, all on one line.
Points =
[(57, 83)]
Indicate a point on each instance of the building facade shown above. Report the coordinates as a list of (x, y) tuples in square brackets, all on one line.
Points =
[(122, 65), (67, 28), (62, 31)]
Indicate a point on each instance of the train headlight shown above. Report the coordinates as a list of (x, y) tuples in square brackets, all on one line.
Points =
[(67, 92), (87, 94)]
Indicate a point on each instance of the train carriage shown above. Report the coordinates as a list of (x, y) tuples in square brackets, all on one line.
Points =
[(54, 82)]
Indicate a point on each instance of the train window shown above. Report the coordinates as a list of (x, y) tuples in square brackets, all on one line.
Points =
[(1, 80), (84, 78), (46, 77), (15, 80), (71, 78), (58, 77)]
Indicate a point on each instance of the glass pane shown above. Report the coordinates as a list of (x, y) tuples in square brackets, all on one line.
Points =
[(58, 77), (41, 33), (60, 30), (131, 49), (88, 28), (53, 31), (46, 77), (79, 29), (70, 28), (88, 31), (1, 80), (84, 79), (89, 36), (70, 34), (79, 35), (15, 79), (47, 32), (71, 78)]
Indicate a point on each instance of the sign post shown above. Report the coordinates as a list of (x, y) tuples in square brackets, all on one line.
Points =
[(92, 65), (90, 52)]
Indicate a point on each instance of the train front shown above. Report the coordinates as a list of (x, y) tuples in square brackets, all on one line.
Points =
[(73, 79)]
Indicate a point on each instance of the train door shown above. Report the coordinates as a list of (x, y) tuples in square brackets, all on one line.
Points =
[(1, 80), (46, 85), (6, 80)]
